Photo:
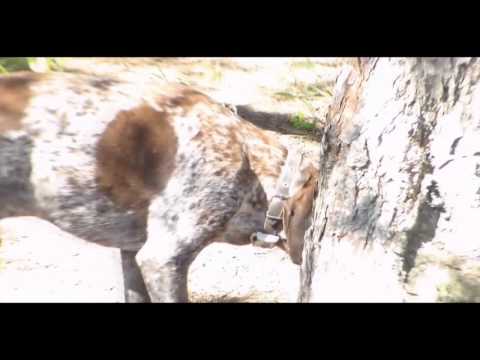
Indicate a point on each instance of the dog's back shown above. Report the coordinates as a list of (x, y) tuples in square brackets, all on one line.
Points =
[(89, 154)]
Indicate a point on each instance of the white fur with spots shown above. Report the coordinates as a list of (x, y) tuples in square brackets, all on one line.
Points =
[(223, 175)]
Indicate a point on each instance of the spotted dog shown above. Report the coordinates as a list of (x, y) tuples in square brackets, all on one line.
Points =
[(159, 171)]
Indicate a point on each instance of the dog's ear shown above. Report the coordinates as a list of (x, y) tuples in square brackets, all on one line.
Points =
[(296, 211)]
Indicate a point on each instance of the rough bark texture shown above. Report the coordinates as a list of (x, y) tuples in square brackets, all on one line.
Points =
[(398, 206)]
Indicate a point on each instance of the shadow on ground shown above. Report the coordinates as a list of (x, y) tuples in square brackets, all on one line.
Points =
[(270, 121)]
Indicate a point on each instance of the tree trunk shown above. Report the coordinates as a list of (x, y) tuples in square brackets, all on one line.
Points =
[(398, 206)]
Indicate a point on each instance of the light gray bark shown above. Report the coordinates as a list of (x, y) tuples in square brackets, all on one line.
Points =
[(398, 206)]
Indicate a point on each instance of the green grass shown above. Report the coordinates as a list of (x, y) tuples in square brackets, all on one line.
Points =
[(311, 91), (306, 92), (14, 64), (11, 64), (284, 96), (459, 288), (217, 75), (309, 95), (305, 64), (298, 122)]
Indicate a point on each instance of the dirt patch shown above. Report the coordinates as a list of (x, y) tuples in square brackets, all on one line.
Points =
[(228, 273), (41, 263)]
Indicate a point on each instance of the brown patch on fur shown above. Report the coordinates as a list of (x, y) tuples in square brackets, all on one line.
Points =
[(232, 135), (15, 96), (272, 172), (187, 98), (295, 213), (135, 156), (278, 168), (235, 156), (217, 148), (255, 158), (261, 135), (221, 172)]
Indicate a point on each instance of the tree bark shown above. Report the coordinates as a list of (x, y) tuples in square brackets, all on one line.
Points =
[(398, 206)]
